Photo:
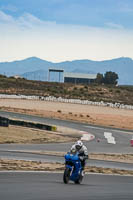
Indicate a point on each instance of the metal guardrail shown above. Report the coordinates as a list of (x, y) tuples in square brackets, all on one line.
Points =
[(5, 122)]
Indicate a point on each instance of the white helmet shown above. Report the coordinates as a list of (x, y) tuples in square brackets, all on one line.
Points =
[(78, 144)]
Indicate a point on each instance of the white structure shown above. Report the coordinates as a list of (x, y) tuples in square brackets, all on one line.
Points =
[(63, 100), (17, 76), (59, 71)]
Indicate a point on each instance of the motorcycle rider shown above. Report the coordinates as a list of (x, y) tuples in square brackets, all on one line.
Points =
[(82, 151)]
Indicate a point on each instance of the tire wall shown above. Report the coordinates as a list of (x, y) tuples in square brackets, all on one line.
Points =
[(6, 122)]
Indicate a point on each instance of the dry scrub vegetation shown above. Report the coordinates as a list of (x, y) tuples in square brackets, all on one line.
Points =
[(117, 118), (14, 134), (93, 92), (40, 166), (105, 116)]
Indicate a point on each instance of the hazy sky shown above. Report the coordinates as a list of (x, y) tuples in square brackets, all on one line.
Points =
[(59, 30)]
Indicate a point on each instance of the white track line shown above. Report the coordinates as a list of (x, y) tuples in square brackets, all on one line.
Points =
[(109, 137), (105, 128), (61, 172)]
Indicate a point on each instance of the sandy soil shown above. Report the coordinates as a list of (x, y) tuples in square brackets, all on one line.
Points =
[(106, 116), (39, 166), (23, 135)]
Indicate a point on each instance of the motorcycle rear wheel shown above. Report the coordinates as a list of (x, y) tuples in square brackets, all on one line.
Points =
[(66, 176)]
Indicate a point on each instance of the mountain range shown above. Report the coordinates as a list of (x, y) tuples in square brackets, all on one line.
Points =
[(37, 69)]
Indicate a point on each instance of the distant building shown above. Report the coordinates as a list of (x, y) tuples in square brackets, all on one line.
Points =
[(79, 78), (54, 72), (58, 75)]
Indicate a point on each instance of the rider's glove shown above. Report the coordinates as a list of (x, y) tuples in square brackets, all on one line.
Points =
[(81, 158)]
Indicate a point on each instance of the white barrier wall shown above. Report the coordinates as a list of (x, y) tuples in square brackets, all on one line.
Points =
[(75, 101)]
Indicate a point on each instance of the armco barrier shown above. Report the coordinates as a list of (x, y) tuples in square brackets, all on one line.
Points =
[(32, 125), (4, 121), (53, 128)]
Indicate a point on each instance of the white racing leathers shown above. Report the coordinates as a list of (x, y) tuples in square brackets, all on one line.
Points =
[(83, 153)]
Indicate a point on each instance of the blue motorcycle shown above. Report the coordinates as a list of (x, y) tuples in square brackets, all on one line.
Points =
[(73, 169)]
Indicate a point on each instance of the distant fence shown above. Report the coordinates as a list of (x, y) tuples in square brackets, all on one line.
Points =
[(63, 100), (6, 122)]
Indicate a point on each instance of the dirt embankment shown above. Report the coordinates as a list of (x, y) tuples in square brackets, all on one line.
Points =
[(14, 134), (105, 116), (91, 92), (39, 166)]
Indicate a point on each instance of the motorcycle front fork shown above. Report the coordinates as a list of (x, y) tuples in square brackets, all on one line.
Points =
[(71, 171)]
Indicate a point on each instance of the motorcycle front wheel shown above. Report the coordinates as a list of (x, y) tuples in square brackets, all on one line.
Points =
[(66, 176), (79, 180)]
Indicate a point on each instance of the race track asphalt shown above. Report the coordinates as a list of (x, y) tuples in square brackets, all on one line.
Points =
[(122, 137), (122, 142), (50, 186), (54, 159)]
